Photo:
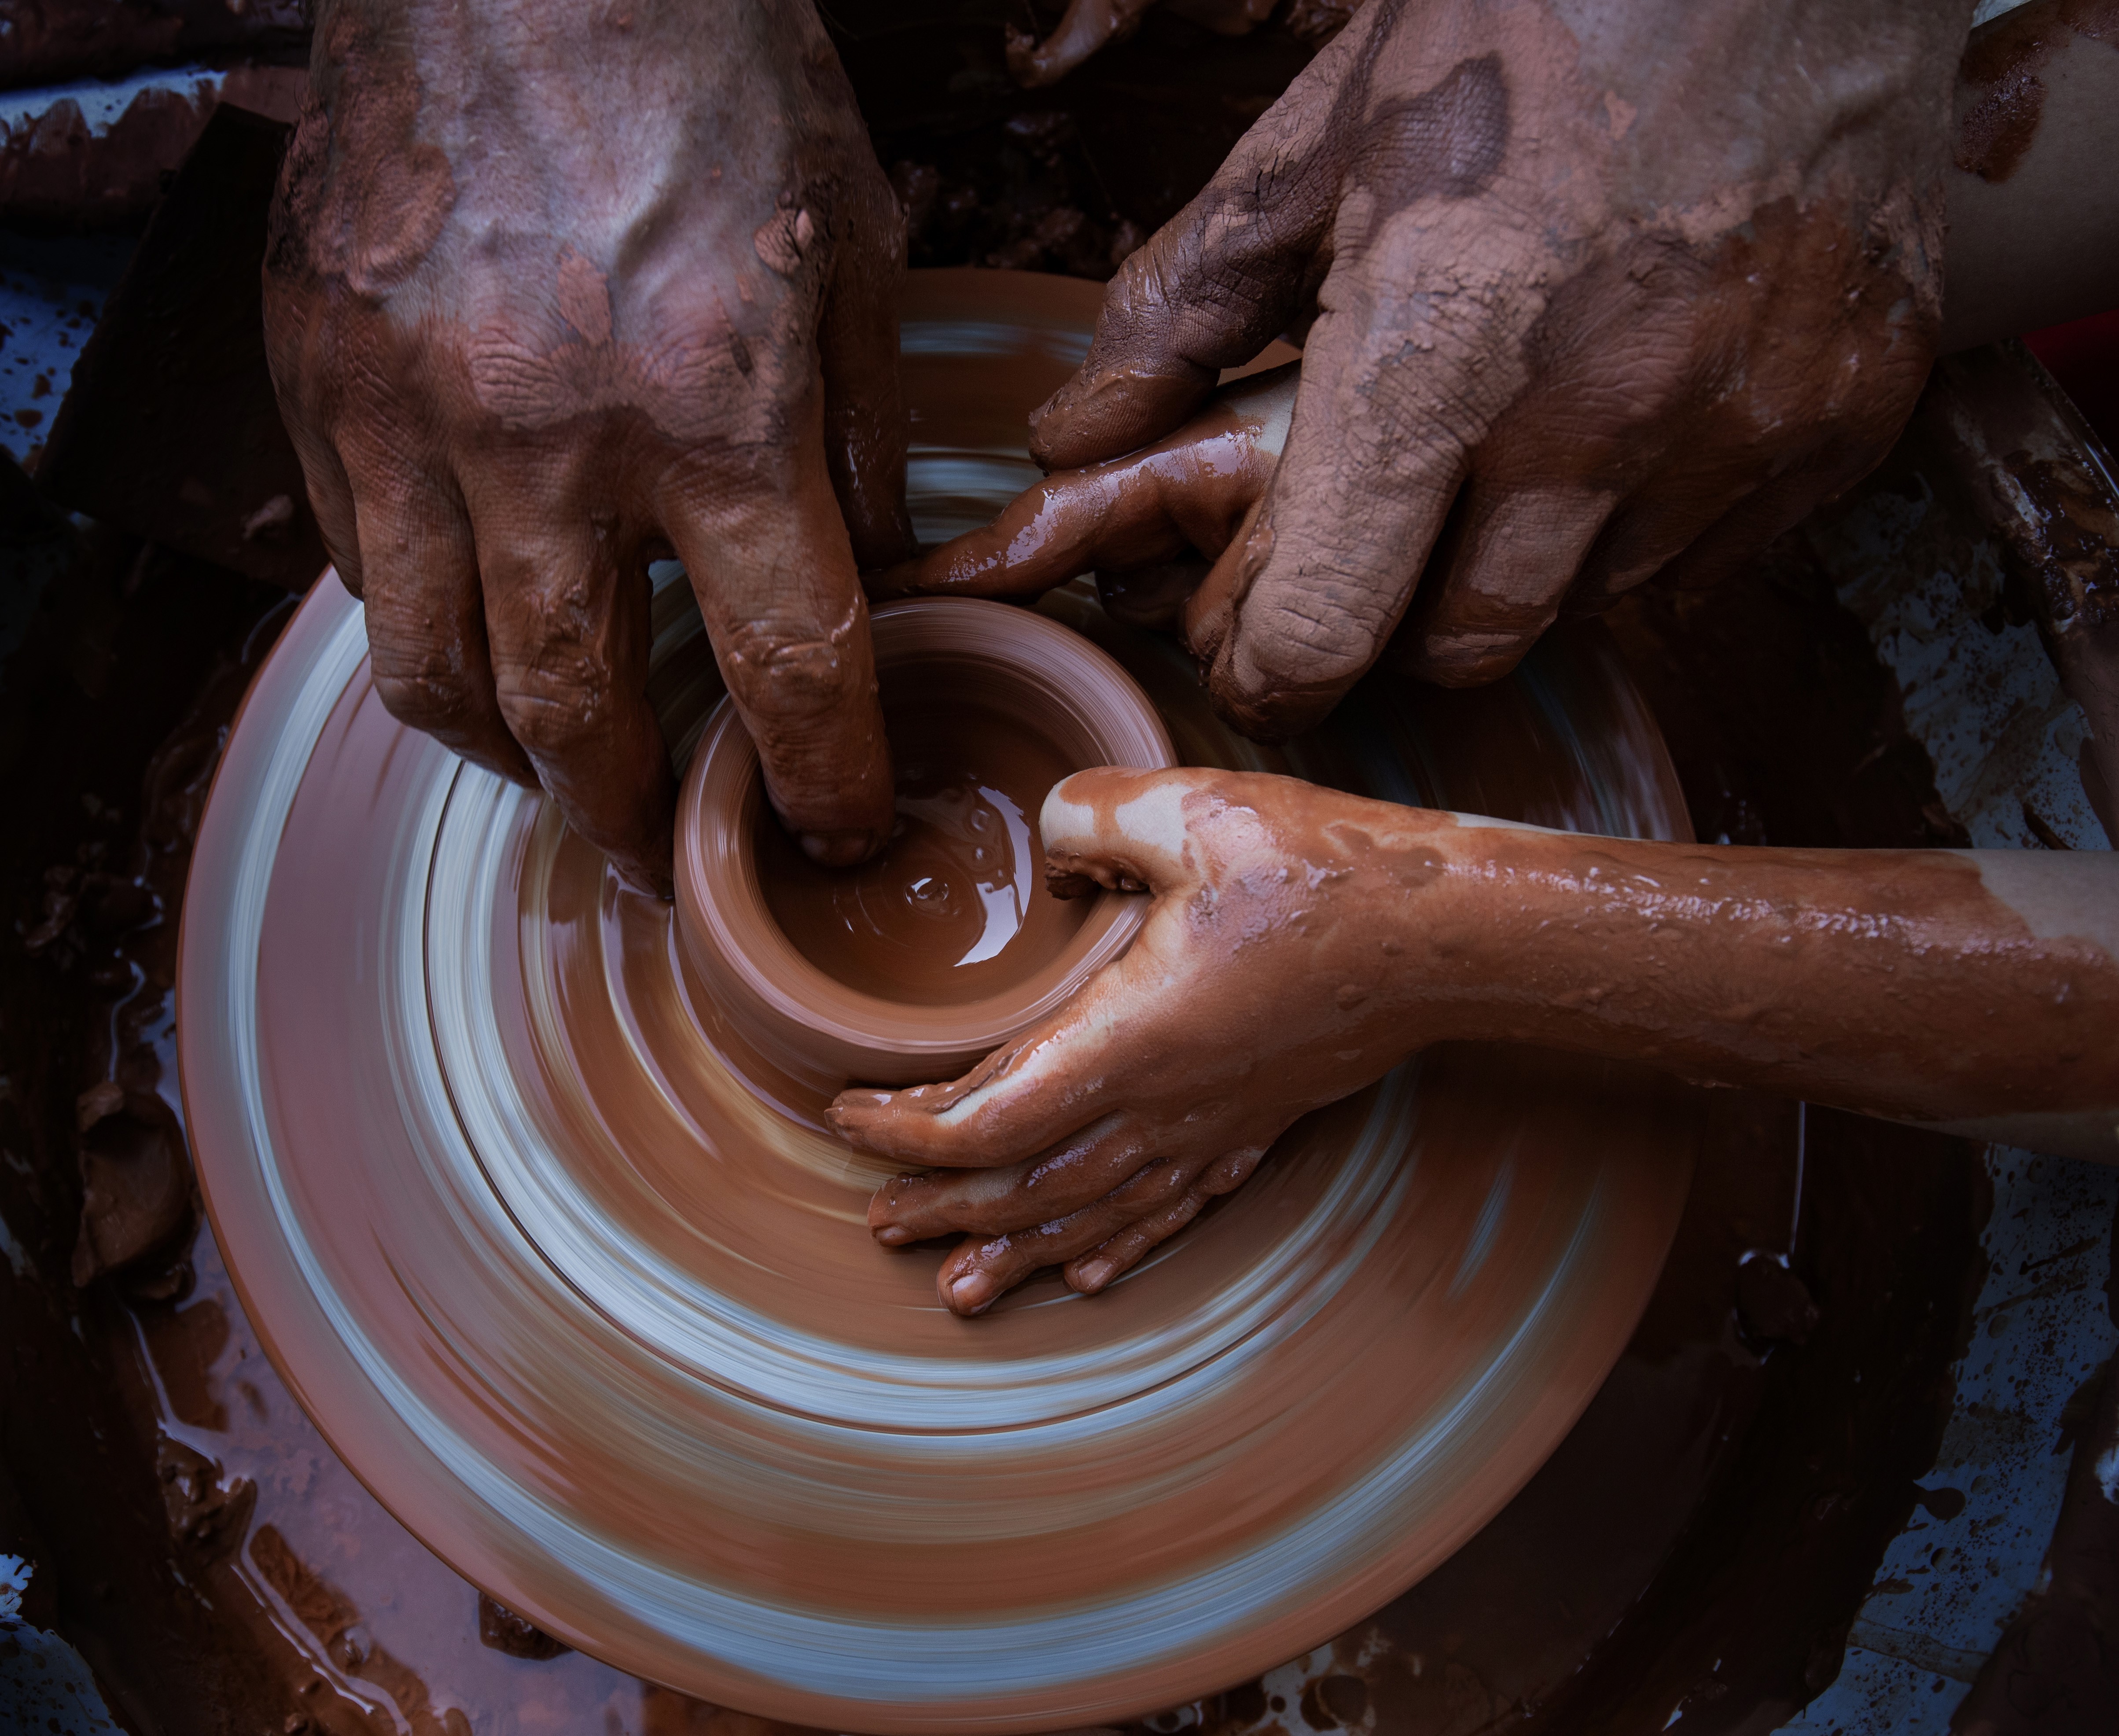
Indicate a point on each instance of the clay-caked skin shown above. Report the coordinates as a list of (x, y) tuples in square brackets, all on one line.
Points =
[(1163, 526), (1607, 291), (1302, 942), (551, 290)]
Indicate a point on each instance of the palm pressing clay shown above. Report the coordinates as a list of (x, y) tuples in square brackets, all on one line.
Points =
[(580, 1284)]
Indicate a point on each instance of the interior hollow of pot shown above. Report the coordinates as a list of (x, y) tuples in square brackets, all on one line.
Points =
[(993, 703)]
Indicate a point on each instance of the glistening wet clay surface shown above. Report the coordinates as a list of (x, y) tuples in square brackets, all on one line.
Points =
[(607, 1330), (914, 967), (955, 899), (1731, 1479)]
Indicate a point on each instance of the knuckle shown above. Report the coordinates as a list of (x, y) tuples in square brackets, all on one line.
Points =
[(430, 702), (792, 671), (553, 716)]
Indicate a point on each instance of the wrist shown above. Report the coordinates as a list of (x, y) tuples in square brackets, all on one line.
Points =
[(1454, 909)]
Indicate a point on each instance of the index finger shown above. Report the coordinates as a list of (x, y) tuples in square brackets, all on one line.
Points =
[(769, 559)]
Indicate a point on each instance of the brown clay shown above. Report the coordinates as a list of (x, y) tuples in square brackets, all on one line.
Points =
[(1770, 1482), (945, 944), (2001, 97), (1550, 259), (512, 375), (1145, 524), (951, 900), (535, 1362)]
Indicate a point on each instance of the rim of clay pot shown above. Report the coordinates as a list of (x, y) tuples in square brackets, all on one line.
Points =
[(1004, 658)]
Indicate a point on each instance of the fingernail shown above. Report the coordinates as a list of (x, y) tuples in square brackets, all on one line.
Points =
[(971, 1294), (892, 1236), (1091, 1275), (839, 849)]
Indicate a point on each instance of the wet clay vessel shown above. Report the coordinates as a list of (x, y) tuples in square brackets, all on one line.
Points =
[(915, 964), (566, 1270)]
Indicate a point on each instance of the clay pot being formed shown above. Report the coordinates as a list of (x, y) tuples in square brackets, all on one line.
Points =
[(912, 966)]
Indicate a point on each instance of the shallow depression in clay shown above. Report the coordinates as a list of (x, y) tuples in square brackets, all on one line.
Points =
[(954, 907)]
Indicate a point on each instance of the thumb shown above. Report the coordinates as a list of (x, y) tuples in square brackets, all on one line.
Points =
[(1302, 604), (1122, 830)]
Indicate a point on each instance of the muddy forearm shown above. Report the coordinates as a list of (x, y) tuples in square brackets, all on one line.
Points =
[(1974, 989)]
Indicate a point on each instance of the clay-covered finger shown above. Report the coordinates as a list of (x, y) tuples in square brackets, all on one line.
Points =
[(1102, 1264), (1123, 830), (1373, 464), (1070, 524), (1119, 828), (1499, 582), (1019, 1101), (567, 616), (980, 1270), (1189, 491), (1075, 1172), (865, 425), (770, 561), (1752, 523), (425, 618)]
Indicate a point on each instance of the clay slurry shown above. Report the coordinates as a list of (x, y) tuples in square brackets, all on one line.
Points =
[(953, 908)]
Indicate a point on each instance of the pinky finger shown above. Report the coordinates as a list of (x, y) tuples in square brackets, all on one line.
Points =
[(1101, 1265)]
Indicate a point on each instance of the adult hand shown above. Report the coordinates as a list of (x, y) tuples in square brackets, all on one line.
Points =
[(1593, 293), (552, 290)]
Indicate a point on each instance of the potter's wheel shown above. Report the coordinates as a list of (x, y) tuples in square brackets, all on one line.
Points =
[(603, 1325)]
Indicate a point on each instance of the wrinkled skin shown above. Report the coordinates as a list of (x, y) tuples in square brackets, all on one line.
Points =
[(1302, 942), (1592, 293), (552, 290)]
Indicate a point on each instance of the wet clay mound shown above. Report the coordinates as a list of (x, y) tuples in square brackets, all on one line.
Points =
[(589, 1298)]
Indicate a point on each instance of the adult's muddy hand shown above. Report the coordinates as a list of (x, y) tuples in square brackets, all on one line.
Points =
[(1302, 942), (553, 290), (1593, 292)]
